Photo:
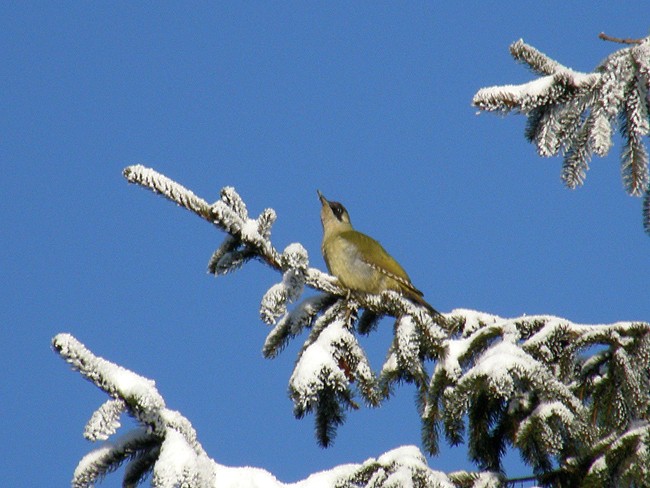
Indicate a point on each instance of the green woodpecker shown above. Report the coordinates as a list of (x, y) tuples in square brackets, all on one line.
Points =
[(358, 261)]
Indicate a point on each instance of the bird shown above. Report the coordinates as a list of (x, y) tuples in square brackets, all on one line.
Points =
[(360, 262)]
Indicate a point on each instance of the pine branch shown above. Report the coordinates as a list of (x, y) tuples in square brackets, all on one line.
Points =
[(504, 375), (646, 210), (229, 213), (537, 61), (393, 469), (158, 183), (106, 459), (250, 238), (330, 388)]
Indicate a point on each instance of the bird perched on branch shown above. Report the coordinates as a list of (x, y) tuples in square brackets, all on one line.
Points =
[(358, 261)]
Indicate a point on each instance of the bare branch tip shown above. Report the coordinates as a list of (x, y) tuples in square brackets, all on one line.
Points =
[(619, 40)]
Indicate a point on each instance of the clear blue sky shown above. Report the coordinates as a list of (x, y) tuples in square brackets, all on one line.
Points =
[(368, 102)]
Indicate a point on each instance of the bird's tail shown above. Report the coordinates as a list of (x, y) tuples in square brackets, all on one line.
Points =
[(417, 298)]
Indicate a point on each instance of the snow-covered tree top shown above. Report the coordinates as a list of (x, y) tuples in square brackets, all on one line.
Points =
[(572, 398)]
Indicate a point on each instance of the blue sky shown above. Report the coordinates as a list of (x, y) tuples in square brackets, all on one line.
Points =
[(368, 102)]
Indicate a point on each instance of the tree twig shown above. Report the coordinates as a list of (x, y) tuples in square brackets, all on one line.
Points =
[(628, 40)]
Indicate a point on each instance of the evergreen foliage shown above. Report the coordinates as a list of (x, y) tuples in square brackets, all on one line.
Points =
[(165, 448), (573, 399), (575, 114), (165, 445)]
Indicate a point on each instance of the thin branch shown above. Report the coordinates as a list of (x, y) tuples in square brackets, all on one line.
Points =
[(619, 40)]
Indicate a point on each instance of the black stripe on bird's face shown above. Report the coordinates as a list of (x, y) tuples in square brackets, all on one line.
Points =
[(339, 211)]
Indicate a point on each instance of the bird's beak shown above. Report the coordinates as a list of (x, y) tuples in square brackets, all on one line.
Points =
[(323, 200)]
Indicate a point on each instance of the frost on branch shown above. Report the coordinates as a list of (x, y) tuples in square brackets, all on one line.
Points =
[(342, 370), (164, 447), (573, 399), (415, 341), (561, 393), (274, 303), (401, 467), (330, 360), (575, 113)]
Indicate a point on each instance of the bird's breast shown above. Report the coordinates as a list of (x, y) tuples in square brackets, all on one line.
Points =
[(345, 261)]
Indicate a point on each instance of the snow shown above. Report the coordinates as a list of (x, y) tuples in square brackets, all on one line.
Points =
[(476, 324), (105, 421), (406, 335), (499, 361), (541, 417), (249, 231), (274, 303), (111, 377), (546, 410), (93, 465), (245, 477), (390, 364), (402, 461), (551, 327), (516, 95), (474, 319), (318, 359), (293, 281), (84, 469), (179, 465), (132, 385), (641, 435), (295, 256), (451, 362)]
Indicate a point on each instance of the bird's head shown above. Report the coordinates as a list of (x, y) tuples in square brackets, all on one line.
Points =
[(333, 215)]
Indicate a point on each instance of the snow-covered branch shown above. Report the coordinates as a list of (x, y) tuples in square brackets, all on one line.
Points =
[(165, 445), (332, 364), (573, 398), (551, 388), (561, 393), (166, 449), (575, 113)]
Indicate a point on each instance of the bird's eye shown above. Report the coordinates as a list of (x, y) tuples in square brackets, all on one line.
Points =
[(337, 209)]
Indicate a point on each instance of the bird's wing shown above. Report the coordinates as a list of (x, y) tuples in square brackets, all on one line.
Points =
[(375, 256)]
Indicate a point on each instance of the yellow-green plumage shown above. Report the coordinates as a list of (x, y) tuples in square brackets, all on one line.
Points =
[(359, 261)]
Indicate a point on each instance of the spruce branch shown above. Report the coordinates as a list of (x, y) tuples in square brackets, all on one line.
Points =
[(536, 60), (646, 210), (247, 238), (393, 469), (574, 114), (418, 333), (560, 392), (163, 433), (541, 384), (164, 445), (250, 238), (158, 183)]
